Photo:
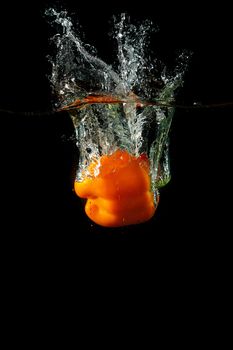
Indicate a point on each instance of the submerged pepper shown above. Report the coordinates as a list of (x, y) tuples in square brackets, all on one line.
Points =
[(117, 190)]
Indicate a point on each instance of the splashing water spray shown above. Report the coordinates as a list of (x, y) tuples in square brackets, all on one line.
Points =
[(122, 132)]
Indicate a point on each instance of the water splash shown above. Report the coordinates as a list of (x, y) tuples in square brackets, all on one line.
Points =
[(116, 108), (78, 71)]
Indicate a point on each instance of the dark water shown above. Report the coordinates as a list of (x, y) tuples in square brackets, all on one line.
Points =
[(54, 261)]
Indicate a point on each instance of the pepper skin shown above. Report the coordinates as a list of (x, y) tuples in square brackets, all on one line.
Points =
[(117, 190)]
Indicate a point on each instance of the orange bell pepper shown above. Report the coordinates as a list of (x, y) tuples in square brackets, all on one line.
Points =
[(117, 190)]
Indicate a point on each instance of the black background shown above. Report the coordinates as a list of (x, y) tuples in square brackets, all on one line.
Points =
[(41, 216)]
